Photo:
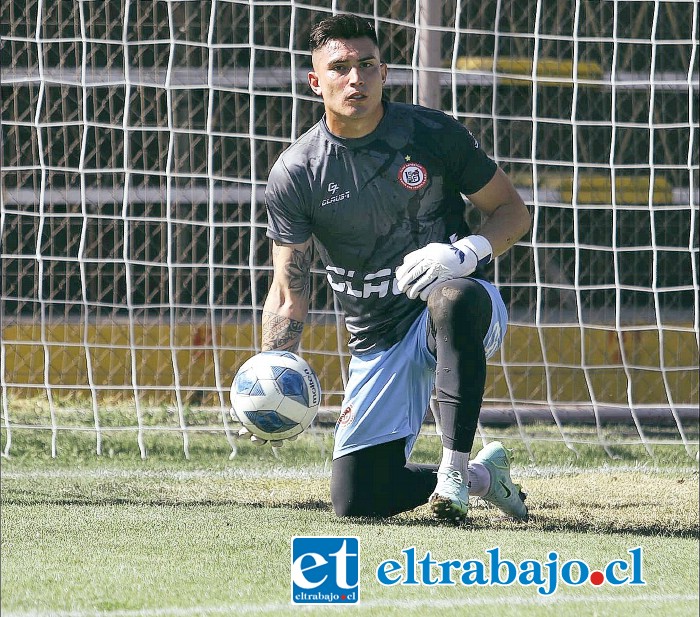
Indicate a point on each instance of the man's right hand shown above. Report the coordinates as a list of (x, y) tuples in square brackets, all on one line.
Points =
[(244, 433)]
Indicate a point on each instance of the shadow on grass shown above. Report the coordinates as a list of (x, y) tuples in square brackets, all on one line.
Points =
[(538, 523), (544, 519), (34, 498)]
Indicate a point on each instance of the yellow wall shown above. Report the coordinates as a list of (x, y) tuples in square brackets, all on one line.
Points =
[(517, 372)]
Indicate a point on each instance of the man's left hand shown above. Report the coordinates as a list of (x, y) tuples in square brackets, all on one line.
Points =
[(422, 270)]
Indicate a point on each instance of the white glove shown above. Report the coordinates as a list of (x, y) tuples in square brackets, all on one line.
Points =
[(256, 441), (435, 263)]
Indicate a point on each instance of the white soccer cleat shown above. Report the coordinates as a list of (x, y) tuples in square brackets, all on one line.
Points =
[(502, 493), (450, 500)]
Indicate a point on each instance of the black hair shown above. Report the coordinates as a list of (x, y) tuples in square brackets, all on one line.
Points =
[(343, 26)]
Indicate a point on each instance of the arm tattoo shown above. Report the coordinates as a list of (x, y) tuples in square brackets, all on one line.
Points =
[(298, 271), (280, 332)]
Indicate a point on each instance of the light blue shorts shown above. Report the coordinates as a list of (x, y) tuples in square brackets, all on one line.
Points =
[(388, 392)]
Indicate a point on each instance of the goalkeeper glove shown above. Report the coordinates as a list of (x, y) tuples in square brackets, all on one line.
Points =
[(257, 441), (423, 269)]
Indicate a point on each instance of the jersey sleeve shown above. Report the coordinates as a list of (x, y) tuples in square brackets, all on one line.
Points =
[(471, 168), (288, 219)]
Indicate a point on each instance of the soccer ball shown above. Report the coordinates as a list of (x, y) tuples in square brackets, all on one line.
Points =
[(275, 395)]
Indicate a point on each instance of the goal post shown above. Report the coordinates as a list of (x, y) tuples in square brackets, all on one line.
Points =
[(137, 137)]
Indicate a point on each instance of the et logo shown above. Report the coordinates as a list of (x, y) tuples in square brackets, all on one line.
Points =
[(325, 570)]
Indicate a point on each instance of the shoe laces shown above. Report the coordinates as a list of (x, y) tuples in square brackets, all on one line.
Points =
[(452, 480)]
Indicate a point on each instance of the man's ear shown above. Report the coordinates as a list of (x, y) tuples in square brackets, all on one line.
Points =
[(313, 83)]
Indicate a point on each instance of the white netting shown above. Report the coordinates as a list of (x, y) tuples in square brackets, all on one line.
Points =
[(136, 141)]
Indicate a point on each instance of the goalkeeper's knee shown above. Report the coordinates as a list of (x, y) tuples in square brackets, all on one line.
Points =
[(460, 305)]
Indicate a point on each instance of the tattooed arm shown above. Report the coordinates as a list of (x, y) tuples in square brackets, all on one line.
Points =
[(287, 304)]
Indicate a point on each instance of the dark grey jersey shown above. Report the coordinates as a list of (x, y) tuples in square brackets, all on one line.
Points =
[(368, 202)]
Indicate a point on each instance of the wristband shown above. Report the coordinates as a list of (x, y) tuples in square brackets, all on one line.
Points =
[(478, 245)]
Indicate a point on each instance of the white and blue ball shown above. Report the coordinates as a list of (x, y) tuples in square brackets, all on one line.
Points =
[(275, 395)]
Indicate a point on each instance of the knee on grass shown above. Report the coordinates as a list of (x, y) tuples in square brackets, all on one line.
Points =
[(349, 507)]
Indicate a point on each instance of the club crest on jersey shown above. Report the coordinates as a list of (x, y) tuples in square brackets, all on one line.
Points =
[(413, 176), (346, 417)]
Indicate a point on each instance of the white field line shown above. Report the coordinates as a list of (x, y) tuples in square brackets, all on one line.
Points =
[(168, 474), (461, 602), (304, 473)]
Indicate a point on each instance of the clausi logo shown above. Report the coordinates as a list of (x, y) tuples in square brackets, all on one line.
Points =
[(325, 570)]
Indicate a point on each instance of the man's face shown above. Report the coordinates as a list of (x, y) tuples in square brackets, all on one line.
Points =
[(349, 76)]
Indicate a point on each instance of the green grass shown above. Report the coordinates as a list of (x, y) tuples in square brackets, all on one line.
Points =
[(229, 558), (162, 438), (121, 536)]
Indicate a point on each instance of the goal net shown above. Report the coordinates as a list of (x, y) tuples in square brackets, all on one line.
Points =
[(137, 136)]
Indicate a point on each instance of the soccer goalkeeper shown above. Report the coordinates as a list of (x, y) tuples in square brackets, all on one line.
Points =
[(378, 186)]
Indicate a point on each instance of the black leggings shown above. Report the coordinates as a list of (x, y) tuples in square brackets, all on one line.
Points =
[(377, 480), (459, 318)]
